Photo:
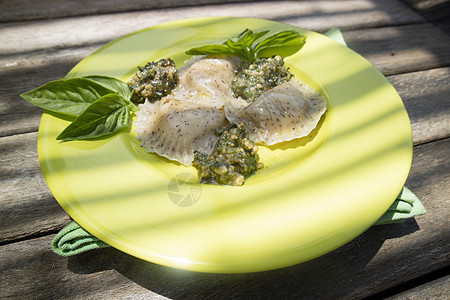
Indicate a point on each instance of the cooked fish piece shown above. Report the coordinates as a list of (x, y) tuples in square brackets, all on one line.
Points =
[(182, 122), (175, 129), (207, 80), (286, 112)]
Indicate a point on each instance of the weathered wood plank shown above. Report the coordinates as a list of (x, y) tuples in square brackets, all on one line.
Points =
[(381, 258), (24, 37), (345, 14), (26, 73), (402, 49), (27, 206), (34, 9), (431, 9), (425, 95), (392, 50), (41, 274), (436, 289)]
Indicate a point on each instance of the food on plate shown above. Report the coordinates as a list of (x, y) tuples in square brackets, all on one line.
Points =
[(183, 121), (286, 112), (233, 159), (153, 81), (209, 113), (98, 105), (253, 79), (206, 80), (175, 128)]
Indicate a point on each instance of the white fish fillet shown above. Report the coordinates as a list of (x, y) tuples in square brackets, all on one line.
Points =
[(286, 112)]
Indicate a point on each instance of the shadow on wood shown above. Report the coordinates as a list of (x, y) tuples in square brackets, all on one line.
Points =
[(318, 277)]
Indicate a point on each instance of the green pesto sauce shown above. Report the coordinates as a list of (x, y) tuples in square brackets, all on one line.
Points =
[(233, 159), (254, 79), (153, 81)]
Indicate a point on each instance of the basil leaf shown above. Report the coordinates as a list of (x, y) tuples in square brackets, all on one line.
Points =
[(210, 50), (283, 43), (67, 96), (108, 114), (260, 34), (240, 51), (113, 84), (250, 38), (246, 40), (243, 48), (242, 33)]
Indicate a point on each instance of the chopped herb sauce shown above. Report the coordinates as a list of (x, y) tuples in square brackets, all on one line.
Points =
[(253, 79), (233, 159), (153, 81)]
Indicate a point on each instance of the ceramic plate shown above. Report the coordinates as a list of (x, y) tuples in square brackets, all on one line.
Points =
[(314, 194)]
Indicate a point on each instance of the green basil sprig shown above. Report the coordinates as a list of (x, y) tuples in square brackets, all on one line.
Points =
[(112, 84), (100, 104), (67, 96), (108, 114), (283, 43)]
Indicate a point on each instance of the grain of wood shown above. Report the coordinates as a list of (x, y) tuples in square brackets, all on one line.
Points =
[(382, 257), (436, 289), (25, 74), (431, 9), (402, 49), (27, 206), (25, 37), (21, 10), (348, 14), (49, 276), (425, 95)]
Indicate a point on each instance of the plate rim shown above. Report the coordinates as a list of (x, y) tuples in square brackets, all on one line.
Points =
[(194, 267)]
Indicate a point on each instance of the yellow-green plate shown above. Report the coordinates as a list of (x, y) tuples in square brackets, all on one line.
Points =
[(314, 195)]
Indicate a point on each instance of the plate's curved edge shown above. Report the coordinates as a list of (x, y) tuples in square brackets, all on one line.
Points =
[(387, 82), (393, 90), (96, 232)]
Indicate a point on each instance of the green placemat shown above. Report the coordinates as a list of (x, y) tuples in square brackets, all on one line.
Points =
[(74, 239)]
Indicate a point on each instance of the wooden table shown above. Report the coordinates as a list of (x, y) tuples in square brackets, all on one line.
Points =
[(407, 41)]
